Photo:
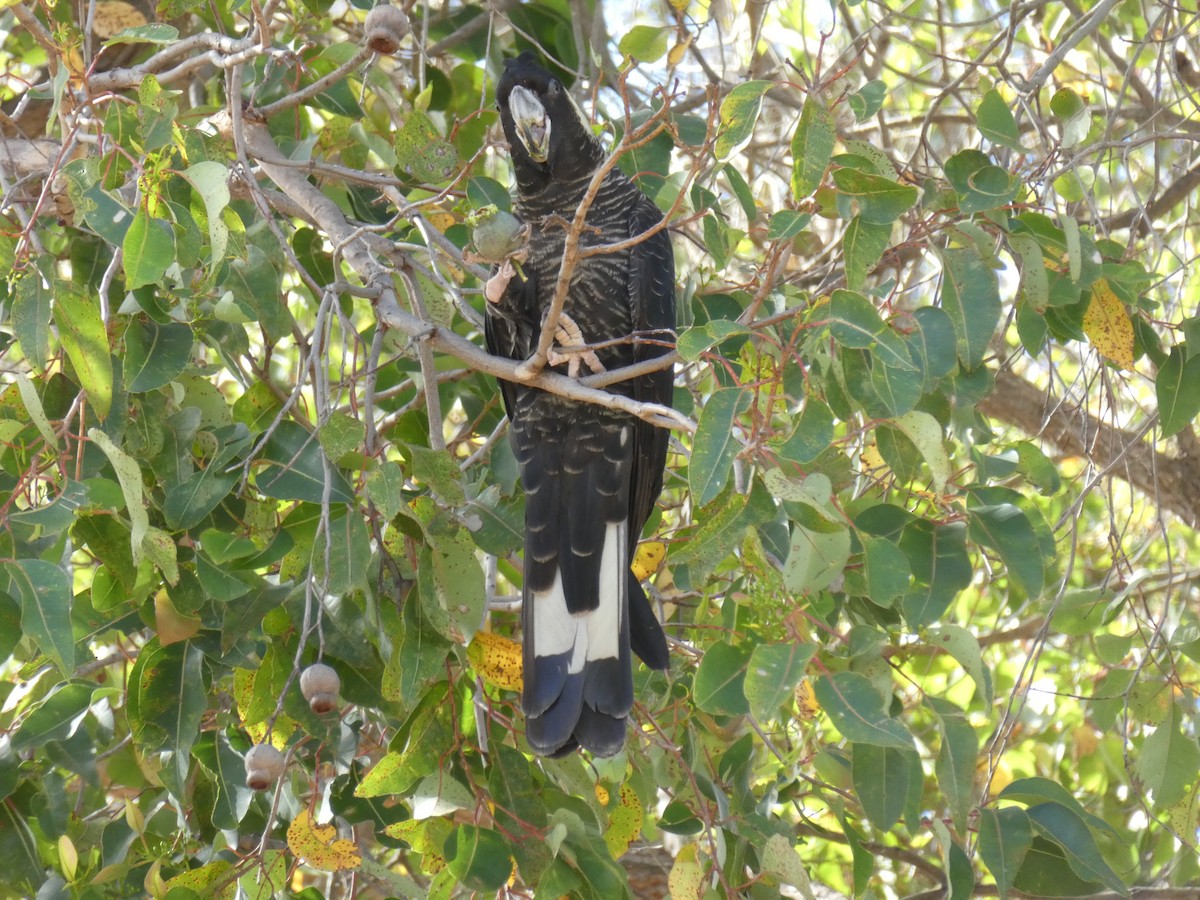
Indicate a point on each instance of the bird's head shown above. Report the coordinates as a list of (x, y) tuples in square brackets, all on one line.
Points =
[(548, 134)]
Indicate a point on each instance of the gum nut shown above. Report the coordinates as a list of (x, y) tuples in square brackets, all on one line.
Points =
[(386, 27), (320, 686), (264, 765), (498, 236)]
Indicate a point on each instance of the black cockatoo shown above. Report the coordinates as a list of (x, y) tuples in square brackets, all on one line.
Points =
[(591, 475)]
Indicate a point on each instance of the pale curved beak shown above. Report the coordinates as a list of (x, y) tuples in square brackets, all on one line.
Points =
[(531, 121)]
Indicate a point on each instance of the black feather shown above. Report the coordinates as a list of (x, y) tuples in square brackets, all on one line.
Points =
[(592, 475)]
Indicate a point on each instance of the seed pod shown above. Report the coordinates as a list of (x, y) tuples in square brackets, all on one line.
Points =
[(386, 27), (264, 765), (320, 685), (498, 236)]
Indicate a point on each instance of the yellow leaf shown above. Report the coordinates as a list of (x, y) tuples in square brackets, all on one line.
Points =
[(807, 706), (203, 878), (440, 219), (243, 695), (172, 625), (602, 794), (319, 846), (686, 881), (425, 836), (1108, 326), (113, 16), (624, 823), (497, 659), (648, 558), (871, 459), (675, 57)]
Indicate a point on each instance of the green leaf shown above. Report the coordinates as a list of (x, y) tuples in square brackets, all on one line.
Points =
[(678, 818), (1035, 284), (55, 718), (964, 647), (867, 100), (1072, 110), (739, 113), (696, 340), (1168, 761), (1178, 390), (147, 251), (186, 505), (925, 432), (210, 179), (228, 771), (886, 569), (129, 474), (881, 781), (937, 556), (932, 343), (59, 513), (645, 43), (862, 246), (85, 339), (45, 595), (439, 794), (297, 468), (996, 122), (479, 858), (971, 296), (1061, 825), (815, 559), (781, 859), (155, 354), (1007, 530), (168, 698), (813, 433), (483, 191), (880, 200), (855, 323), (859, 711), (812, 148), (457, 585), (716, 444), (981, 184), (772, 674), (10, 628), (955, 765), (741, 190), (153, 33), (787, 223), (438, 469), (1045, 872), (719, 687), (1005, 836), (31, 318)]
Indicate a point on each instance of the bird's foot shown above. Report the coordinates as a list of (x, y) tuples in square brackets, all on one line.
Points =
[(498, 283), (574, 350)]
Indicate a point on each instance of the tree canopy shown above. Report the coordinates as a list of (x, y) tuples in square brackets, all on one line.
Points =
[(926, 548)]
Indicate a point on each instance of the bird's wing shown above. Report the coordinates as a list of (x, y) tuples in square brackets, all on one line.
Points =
[(508, 324), (652, 295)]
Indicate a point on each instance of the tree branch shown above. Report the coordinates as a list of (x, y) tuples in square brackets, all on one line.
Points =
[(1173, 482), (377, 278)]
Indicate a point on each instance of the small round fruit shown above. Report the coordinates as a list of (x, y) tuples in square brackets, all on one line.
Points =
[(264, 765), (386, 26), (498, 236), (320, 685)]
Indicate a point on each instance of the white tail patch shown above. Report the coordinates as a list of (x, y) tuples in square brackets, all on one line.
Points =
[(553, 627), (604, 625)]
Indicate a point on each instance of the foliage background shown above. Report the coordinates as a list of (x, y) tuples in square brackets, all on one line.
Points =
[(929, 517)]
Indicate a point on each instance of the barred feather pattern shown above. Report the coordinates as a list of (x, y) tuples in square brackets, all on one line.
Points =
[(591, 475)]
